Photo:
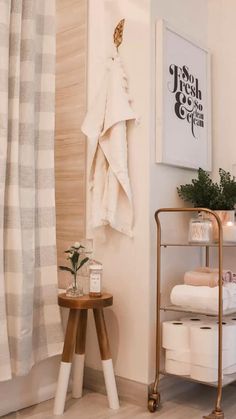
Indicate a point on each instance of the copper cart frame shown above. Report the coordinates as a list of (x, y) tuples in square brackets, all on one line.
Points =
[(154, 395)]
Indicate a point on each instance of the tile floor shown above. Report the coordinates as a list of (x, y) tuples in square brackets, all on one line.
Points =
[(191, 404)]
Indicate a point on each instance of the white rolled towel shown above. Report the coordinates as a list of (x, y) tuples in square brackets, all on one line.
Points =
[(200, 298)]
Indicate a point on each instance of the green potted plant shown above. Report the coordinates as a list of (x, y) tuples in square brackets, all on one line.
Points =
[(220, 197), (75, 254)]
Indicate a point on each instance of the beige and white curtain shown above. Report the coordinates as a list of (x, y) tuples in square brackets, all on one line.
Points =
[(30, 327)]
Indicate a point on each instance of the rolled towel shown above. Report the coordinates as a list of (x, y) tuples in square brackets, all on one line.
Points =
[(227, 276), (201, 278), (207, 277), (200, 298)]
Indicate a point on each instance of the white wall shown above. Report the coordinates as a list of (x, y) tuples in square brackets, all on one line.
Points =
[(126, 261), (221, 42), (221, 39)]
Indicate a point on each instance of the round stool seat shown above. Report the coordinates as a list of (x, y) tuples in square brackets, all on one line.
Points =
[(85, 302)]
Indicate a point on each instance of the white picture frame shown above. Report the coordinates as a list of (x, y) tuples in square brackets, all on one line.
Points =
[(183, 100)]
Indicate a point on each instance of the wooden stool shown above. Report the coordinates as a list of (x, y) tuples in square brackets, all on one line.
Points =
[(75, 342)]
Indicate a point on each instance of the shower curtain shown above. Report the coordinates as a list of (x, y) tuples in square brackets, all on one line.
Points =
[(30, 326)]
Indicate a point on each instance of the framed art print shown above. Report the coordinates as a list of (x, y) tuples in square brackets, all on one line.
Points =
[(183, 100)]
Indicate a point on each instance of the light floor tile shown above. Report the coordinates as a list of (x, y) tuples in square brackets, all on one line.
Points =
[(193, 403)]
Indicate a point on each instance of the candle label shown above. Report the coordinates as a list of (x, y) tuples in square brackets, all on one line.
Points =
[(95, 282)]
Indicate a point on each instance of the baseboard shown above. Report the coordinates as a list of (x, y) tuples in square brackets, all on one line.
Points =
[(128, 390)]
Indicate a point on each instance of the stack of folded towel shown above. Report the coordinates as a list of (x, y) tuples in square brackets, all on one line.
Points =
[(191, 347), (208, 277), (200, 291)]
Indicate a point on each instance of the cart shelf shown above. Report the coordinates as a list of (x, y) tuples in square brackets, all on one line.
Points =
[(228, 379), (179, 309), (154, 395)]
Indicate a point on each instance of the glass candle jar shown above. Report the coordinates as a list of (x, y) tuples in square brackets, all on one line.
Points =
[(84, 271), (229, 232), (200, 230), (95, 279)]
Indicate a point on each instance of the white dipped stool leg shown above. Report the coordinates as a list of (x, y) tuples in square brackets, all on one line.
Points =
[(78, 366), (78, 375), (107, 365), (66, 362), (110, 383), (62, 386)]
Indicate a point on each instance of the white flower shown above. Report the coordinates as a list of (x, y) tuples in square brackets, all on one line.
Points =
[(70, 255), (77, 245)]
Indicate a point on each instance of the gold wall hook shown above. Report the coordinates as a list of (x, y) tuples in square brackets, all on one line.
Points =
[(118, 34)]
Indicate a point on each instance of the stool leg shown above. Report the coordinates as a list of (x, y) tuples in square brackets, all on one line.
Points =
[(66, 362), (78, 373), (106, 359)]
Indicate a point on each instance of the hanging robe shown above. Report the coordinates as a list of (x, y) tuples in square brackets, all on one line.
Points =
[(105, 125)]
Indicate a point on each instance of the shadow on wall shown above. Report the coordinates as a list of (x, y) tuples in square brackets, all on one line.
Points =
[(113, 325)]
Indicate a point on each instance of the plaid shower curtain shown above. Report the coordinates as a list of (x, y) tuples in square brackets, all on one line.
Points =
[(30, 327)]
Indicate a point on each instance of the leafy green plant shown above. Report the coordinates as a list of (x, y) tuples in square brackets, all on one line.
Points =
[(203, 192), (75, 256)]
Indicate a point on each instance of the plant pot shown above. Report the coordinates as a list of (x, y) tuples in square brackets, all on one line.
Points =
[(225, 216)]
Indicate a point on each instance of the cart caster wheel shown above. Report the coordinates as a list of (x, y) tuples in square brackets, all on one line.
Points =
[(215, 415), (152, 405)]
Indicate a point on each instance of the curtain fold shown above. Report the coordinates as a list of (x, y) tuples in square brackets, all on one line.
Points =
[(29, 316)]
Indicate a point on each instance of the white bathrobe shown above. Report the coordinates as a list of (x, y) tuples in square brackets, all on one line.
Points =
[(105, 127)]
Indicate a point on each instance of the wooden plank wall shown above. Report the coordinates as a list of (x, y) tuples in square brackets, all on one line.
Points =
[(70, 146)]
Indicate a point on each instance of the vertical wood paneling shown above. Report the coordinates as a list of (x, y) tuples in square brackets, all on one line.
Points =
[(70, 109)]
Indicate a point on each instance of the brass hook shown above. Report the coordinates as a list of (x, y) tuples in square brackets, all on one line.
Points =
[(118, 34)]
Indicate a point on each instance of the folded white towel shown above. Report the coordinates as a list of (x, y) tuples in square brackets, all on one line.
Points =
[(203, 298)]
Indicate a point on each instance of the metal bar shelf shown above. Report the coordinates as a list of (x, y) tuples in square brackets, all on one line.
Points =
[(179, 309)]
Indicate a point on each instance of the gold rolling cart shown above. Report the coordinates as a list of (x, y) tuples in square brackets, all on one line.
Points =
[(154, 395)]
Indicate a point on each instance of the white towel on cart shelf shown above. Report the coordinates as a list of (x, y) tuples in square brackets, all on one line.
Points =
[(203, 298), (105, 127)]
